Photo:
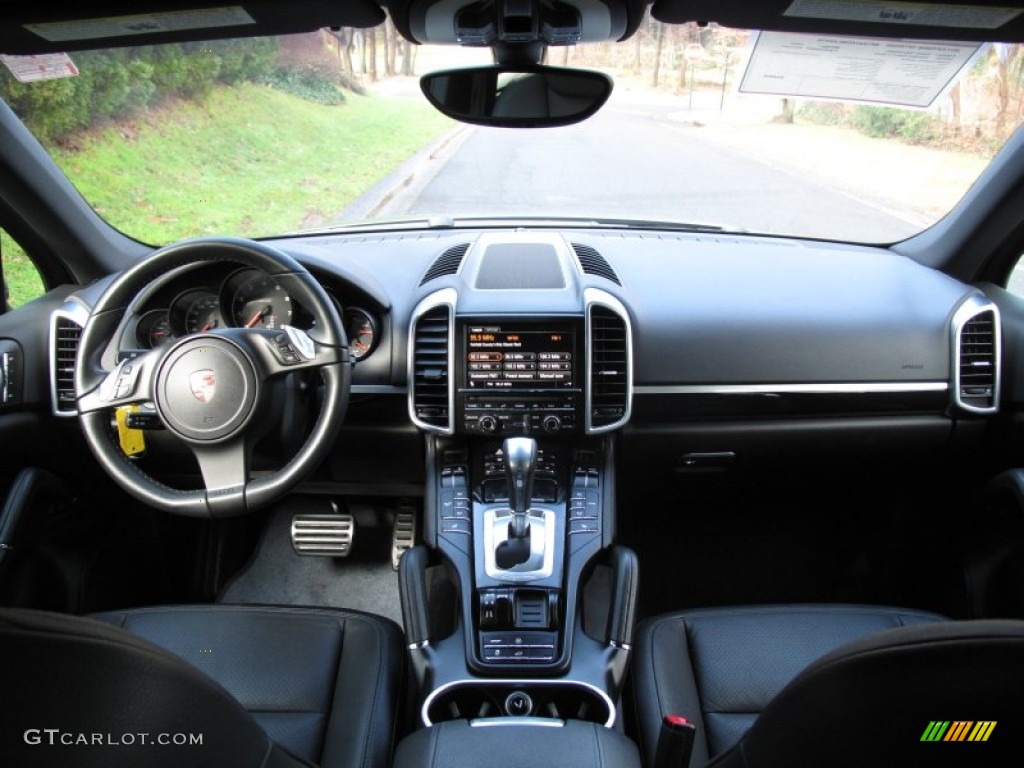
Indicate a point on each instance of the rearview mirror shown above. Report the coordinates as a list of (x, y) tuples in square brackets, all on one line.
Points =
[(517, 97)]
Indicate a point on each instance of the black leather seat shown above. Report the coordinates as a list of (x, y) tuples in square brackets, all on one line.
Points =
[(320, 687), (720, 667)]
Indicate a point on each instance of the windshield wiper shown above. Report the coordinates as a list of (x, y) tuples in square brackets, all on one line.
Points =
[(451, 222)]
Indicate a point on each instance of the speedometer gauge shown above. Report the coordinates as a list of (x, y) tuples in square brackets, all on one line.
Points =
[(362, 332), (203, 314), (261, 302)]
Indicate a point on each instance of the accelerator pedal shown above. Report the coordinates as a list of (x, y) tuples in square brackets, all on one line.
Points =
[(403, 536), (328, 535)]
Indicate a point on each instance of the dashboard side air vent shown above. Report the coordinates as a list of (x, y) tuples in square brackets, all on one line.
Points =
[(447, 263), (610, 371), (431, 396), (976, 348), (65, 335), (593, 263)]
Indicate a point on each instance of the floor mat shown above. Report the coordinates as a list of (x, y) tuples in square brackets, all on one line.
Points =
[(363, 581)]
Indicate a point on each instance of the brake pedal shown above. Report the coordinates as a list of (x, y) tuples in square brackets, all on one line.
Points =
[(323, 535), (403, 536)]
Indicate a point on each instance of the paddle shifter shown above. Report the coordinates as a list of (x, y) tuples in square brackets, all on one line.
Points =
[(520, 464)]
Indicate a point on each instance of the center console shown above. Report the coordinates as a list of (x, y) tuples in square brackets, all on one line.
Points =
[(518, 607)]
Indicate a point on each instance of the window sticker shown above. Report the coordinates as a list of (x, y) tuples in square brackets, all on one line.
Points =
[(869, 70), (31, 69)]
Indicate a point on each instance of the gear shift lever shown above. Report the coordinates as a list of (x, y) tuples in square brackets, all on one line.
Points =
[(520, 463)]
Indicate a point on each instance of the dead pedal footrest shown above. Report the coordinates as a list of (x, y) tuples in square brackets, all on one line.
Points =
[(323, 535), (403, 536)]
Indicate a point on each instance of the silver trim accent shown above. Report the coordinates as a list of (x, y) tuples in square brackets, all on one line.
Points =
[(422, 644), (518, 683), (973, 306), (838, 388), (323, 535), (542, 722), (621, 646), (596, 297), (446, 297), (78, 315), (498, 520)]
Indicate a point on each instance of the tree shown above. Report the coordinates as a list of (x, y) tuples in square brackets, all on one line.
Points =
[(371, 53), (657, 55), (407, 69)]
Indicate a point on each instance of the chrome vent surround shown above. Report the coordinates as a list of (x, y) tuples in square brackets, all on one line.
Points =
[(447, 263), (65, 335), (431, 351), (593, 263), (977, 348), (609, 393)]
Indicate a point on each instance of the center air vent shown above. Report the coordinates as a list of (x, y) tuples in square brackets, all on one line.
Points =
[(64, 351), (430, 392), (447, 263), (609, 375), (977, 345), (593, 263)]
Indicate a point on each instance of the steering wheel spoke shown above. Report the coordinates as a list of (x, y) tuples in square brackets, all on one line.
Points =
[(287, 349), (225, 466), (131, 382)]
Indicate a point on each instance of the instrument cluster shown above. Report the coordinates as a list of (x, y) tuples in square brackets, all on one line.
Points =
[(245, 298)]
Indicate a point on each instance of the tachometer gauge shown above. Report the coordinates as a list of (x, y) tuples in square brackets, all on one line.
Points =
[(154, 329), (203, 314), (261, 302), (362, 332)]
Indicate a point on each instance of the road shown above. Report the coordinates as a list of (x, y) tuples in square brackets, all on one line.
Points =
[(636, 161)]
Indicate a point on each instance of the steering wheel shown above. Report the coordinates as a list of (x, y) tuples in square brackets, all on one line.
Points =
[(211, 389)]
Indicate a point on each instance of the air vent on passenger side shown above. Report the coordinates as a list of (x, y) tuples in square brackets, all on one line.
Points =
[(594, 263), (976, 372), (64, 351), (609, 375), (430, 394), (446, 264)]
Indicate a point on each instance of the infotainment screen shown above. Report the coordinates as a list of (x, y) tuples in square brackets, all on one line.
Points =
[(513, 357)]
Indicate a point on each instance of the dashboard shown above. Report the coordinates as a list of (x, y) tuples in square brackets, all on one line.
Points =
[(702, 344)]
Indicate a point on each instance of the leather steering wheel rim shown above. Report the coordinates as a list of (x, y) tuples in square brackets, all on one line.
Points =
[(331, 360)]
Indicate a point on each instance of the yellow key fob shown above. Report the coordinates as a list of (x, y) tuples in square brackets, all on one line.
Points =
[(133, 441)]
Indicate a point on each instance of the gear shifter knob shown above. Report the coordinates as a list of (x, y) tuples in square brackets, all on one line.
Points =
[(520, 463)]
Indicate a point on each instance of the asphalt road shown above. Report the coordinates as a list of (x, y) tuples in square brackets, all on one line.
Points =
[(639, 163)]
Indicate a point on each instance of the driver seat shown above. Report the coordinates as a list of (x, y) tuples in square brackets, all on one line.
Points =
[(320, 687)]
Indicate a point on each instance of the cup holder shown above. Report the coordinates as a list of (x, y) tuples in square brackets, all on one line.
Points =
[(478, 699)]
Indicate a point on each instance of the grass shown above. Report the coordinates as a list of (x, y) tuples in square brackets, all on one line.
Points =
[(23, 282), (248, 160)]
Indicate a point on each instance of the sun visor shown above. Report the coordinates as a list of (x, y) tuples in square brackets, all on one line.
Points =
[(977, 21), (35, 28), (486, 22)]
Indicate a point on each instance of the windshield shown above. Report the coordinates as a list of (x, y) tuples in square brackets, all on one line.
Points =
[(269, 136)]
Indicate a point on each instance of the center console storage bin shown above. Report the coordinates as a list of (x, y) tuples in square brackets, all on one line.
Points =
[(499, 743)]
